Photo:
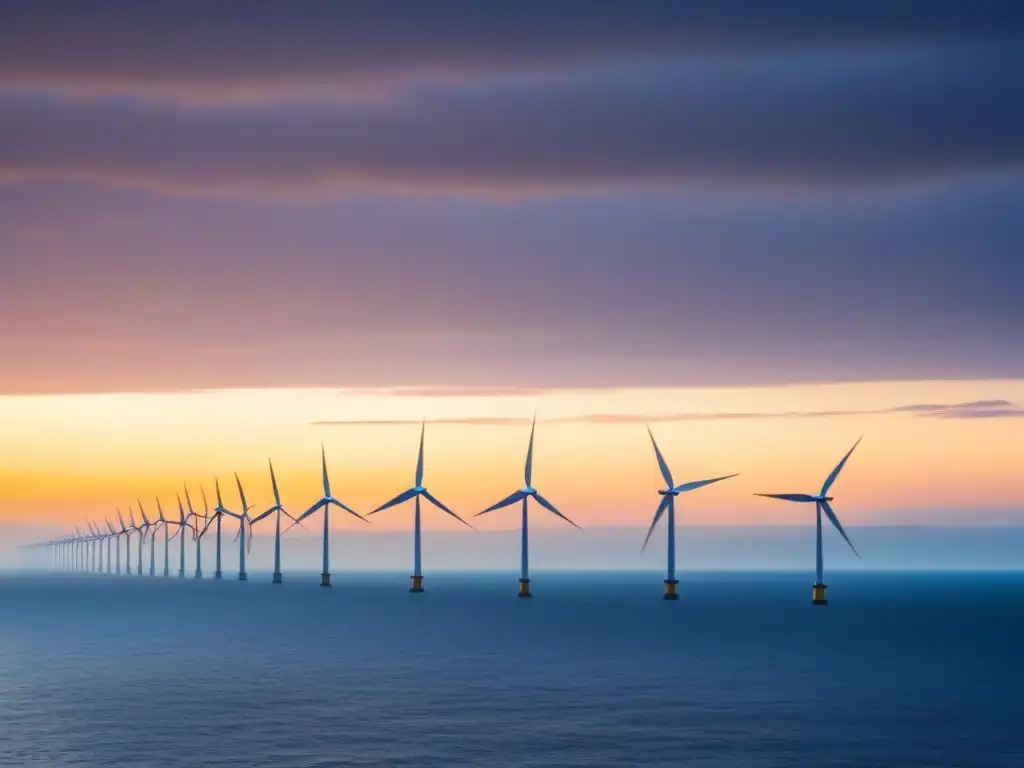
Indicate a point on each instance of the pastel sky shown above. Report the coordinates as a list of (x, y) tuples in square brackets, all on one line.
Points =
[(767, 227)]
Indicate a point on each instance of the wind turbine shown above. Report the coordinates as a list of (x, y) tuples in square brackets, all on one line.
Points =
[(126, 532), (415, 492), (524, 495), (243, 519), (165, 523), (196, 534), (110, 538), (217, 515), (146, 525), (821, 504), (325, 503), (668, 502), (279, 509)]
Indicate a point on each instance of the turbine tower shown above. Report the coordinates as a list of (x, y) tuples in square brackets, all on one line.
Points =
[(668, 502), (279, 509), (821, 504), (325, 503), (416, 492), (524, 495)]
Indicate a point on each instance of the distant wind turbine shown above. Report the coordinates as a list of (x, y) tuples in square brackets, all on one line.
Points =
[(146, 525), (243, 520), (111, 538), (414, 493), (524, 495), (279, 509), (668, 502), (126, 532), (325, 504), (196, 534), (821, 504), (167, 549)]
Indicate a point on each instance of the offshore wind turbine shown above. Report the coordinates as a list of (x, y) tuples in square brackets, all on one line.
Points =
[(126, 532), (279, 509), (668, 503), (821, 504), (523, 495), (416, 492), (325, 503), (146, 526), (243, 520), (163, 521), (217, 515), (110, 538), (196, 534)]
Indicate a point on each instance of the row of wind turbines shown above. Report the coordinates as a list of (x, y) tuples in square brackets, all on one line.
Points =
[(83, 550)]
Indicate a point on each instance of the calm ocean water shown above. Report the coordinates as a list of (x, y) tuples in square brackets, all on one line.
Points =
[(900, 670)]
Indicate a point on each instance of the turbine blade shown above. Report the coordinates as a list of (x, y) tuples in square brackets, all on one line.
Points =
[(206, 504), (181, 511), (399, 499), (839, 468), (419, 460), (248, 543), (430, 497), (294, 520), (264, 514), (273, 482), (241, 494), (551, 508), (657, 516), (312, 510), (220, 502), (528, 472), (323, 464), (801, 497), (839, 526), (188, 501), (699, 484), (666, 473), (348, 509), (511, 499)]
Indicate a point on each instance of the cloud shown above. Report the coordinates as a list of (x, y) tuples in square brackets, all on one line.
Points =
[(201, 48), (787, 122), (979, 409)]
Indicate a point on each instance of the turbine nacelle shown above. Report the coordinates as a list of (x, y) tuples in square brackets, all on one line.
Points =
[(528, 491)]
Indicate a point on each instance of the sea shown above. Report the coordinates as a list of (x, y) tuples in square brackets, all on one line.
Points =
[(899, 670)]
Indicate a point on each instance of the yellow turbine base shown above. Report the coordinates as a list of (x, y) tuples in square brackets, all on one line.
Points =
[(818, 594), (417, 584), (670, 589), (524, 588)]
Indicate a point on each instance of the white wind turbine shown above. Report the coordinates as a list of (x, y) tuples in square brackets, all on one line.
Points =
[(126, 532), (279, 509), (111, 538), (821, 504), (243, 520), (325, 504), (196, 534), (416, 492), (146, 525), (668, 502), (167, 548), (524, 495)]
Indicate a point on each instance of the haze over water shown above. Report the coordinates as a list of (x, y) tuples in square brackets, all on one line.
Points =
[(899, 670)]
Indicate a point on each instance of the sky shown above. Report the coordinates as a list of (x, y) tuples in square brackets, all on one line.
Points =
[(765, 227)]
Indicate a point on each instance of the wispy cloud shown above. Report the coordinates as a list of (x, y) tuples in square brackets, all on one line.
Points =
[(977, 409)]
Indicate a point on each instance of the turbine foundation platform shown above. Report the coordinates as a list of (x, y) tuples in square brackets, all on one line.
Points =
[(524, 588), (325, 579), (243, 576), (670, 589), (218, 575), (199, 575), (277, 578), (818, 594), (416, 584)]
